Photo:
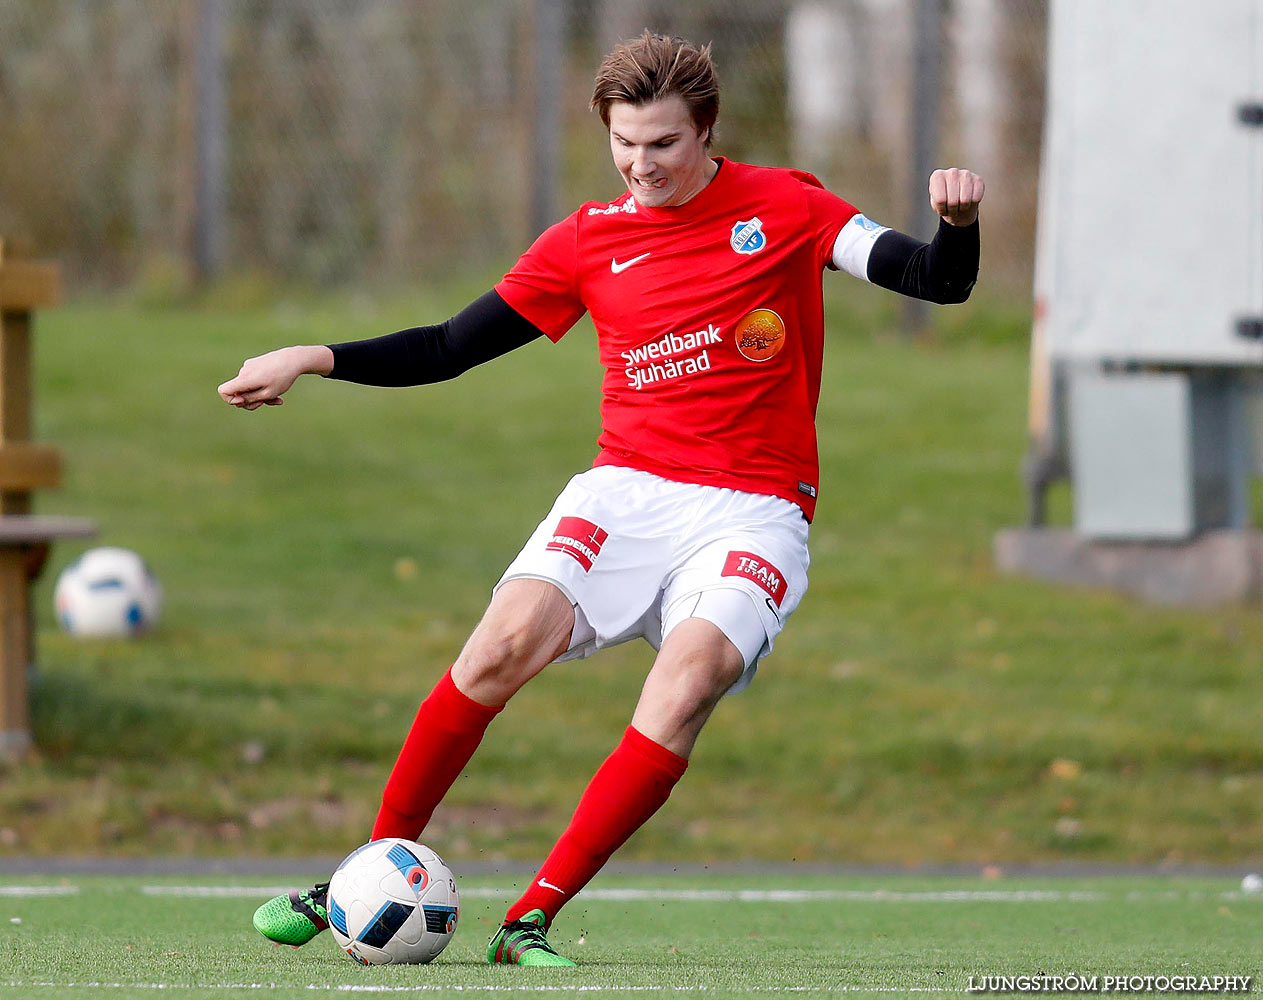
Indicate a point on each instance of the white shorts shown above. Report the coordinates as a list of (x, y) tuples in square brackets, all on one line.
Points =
[(637, 554)]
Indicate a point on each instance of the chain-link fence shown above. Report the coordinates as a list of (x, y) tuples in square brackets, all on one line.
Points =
[(344, 140)]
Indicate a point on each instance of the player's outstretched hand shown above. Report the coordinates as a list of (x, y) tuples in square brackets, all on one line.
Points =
[(265, 379), (955, 194)]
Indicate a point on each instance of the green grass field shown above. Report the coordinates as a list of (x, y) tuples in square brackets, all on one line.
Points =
[(719, 935), (324, 561)]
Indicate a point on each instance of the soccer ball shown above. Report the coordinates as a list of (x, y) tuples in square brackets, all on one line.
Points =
[(107, 593), (393, 901)]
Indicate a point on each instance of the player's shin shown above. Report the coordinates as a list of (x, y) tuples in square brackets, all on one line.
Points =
[(445, 733), (625, 792)]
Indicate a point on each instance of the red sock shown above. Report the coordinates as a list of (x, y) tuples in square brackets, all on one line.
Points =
[(626, 790), (446, 732)]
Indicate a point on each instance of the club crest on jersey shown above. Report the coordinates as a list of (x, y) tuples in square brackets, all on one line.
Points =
[(748, 237)]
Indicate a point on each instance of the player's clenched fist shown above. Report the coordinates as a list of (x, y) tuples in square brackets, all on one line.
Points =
[(265, 379), (955, 194)]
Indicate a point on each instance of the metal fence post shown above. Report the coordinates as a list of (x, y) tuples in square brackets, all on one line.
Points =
[(924, 145), (211, 140), (546, 137)]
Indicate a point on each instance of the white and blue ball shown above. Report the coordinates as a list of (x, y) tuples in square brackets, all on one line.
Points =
[(393, 901), (107, 593)]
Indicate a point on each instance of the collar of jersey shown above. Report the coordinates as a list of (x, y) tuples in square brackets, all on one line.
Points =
[(695, 205)]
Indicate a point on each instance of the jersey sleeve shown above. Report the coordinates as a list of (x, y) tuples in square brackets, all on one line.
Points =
[(542, 286), (826, 214)]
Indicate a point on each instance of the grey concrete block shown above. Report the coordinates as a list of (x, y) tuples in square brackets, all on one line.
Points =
[(1216, 567)]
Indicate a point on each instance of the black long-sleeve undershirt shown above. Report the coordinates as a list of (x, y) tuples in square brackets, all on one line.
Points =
[(486, 328), (942, 271)]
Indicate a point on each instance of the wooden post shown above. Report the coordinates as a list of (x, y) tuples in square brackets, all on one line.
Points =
[(24, 467), (15, 623), (24, 285)]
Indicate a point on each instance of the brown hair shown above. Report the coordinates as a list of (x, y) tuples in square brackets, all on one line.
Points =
[(653, 67)]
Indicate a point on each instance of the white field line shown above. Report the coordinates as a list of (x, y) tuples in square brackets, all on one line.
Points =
[(479, 988), (709, 895), (840, 895), (716, 895), (39, 890)]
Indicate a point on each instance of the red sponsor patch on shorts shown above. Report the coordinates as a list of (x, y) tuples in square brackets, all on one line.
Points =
[(579, 538), (758, 569)]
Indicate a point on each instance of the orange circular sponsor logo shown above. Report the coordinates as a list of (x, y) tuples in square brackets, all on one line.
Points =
[(760, 335)]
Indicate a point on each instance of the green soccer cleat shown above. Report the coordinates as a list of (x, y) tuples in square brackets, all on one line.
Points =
[(522, 942), (294, 918)]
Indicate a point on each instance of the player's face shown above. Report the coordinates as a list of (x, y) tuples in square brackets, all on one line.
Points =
[(661, 156)]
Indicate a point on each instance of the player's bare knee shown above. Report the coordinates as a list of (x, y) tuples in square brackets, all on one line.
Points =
[(709, 680), (702, 656), (498, 653), (698, 678)]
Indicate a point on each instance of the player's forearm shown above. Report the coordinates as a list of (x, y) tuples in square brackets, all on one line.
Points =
[(483, 330), (943, 270), (315, 359)]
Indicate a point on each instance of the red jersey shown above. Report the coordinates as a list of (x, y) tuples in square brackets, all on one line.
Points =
[(710, 325)]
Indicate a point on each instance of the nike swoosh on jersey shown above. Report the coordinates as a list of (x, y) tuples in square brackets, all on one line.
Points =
[(618, 268), (549, 885), (771, 606)]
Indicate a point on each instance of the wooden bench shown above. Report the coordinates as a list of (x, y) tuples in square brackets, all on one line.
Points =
[(24, 467), (24, 545)]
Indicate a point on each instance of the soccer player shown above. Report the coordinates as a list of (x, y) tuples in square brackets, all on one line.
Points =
[(703, 281)]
